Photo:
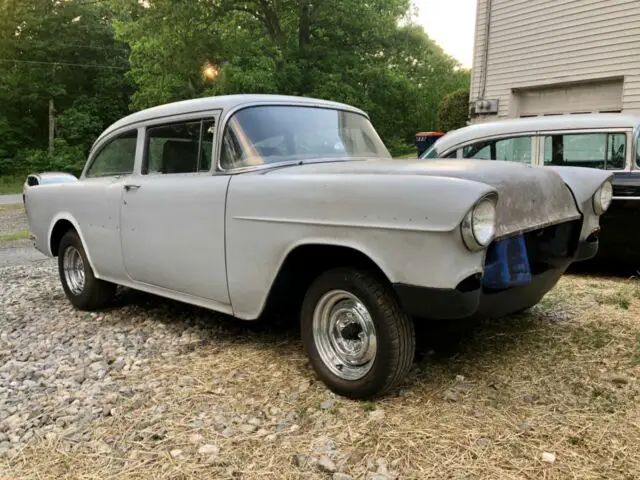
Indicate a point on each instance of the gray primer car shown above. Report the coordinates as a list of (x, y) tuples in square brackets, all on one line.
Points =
[(244, 204)]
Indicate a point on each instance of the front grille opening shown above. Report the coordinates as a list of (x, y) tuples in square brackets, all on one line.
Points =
[(513, 261)]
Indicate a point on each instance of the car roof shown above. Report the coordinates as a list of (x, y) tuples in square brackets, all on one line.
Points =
[(532, 124), (222, 102)]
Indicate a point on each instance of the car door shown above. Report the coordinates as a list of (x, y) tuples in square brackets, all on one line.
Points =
[(96, 201), (172, 218)]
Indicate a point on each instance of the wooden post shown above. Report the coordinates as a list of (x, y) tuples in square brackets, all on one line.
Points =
[(52, 124)]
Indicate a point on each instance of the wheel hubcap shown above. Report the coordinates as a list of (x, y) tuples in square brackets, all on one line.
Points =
[(344, 334), (73, 270)]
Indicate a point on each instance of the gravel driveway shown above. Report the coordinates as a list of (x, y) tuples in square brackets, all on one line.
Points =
[(152, 388)]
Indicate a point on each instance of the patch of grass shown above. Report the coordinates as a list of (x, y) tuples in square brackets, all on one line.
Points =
[(368, 406), (618, 299), (589, 338), (636, 353), (11, 185), (11, 237), (11, 208)]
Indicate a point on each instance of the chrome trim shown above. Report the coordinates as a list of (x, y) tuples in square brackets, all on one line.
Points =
[(466, 226)]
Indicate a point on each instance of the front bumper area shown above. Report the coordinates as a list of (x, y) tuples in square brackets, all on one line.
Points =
[(549, 252), (453, 304)]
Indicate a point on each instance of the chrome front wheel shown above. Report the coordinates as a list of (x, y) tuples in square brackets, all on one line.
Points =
[(358, 339), (345, 334)]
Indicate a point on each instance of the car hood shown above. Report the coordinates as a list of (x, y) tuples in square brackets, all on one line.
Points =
[(528, 198)]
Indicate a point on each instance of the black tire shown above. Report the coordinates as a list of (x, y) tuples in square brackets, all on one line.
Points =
[(394, 329), (95, 294)]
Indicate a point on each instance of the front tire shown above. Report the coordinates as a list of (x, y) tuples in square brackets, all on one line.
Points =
[(80, 285), (358, 340)]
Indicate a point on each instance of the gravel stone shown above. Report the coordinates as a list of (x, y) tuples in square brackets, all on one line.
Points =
[(176, 453), (341, 476), (209, 450), (327, 404), (325, 464)]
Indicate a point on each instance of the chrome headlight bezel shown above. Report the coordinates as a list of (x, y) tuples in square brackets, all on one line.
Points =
[(473, 223), (602, 198)]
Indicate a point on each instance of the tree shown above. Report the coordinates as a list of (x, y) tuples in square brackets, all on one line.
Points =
[(60, 51), (344, 50), (454, 110)]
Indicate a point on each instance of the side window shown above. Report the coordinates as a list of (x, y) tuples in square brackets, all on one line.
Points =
[(179, 147), (606, 151), (516, 149), (116, 158), (481, 151)]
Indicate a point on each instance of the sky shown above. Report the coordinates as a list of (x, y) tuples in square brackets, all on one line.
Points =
[(451, 23)]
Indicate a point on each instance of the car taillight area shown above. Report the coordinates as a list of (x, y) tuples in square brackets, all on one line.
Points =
[(513, 261)]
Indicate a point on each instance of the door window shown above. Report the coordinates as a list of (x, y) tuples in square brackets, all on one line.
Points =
[(115, 158), (605, 151), (179, 147), (515, 149)]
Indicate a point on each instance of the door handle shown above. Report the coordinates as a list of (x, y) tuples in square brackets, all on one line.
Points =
[(128, 188)]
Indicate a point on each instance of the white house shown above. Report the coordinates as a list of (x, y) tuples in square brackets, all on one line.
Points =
[(550, 57)]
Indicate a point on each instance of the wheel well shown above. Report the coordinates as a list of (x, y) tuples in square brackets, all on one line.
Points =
[(304, 264), (61, 227)]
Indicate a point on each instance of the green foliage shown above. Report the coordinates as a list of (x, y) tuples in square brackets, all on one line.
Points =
[(453, 112), (65, 52), (11, 184), (88, 56), (344, 50)]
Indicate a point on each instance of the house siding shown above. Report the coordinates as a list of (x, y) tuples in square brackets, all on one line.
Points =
[(541, 43)]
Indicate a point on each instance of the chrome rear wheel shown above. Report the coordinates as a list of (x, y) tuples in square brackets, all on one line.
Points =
[(73, 270)]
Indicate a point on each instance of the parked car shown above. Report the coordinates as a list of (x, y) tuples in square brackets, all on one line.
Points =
[(35, 179), (601, 141), (241, 204)]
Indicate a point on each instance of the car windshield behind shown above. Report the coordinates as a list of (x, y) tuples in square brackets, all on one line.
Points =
[(275, 134), (431, 152)]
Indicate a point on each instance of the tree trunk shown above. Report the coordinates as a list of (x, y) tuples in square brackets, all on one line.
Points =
[(52, 124), (304, 33)]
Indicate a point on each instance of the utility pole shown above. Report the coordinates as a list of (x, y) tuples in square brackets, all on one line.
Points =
[(52, 124)]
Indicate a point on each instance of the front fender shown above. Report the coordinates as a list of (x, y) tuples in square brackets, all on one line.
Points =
[(583, 183), (407, 225)]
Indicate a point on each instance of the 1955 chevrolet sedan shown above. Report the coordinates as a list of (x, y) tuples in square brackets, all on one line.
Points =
[(241, 204)]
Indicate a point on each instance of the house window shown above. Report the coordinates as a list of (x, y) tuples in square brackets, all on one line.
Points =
[(606, 151)]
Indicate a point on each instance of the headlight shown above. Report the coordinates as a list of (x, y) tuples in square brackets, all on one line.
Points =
[(479, 225), (602, 198)]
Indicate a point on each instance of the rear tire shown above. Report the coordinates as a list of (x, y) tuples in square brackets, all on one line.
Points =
[(358, 340), (80, 285)]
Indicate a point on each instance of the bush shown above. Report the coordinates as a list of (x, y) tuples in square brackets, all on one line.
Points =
[(65, 158), (453, 111)]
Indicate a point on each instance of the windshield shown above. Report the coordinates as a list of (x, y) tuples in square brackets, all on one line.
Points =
[(275, 134), (431, 152)]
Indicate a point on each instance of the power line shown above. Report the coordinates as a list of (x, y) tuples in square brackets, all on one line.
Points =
[(64, 64), (75, 45)]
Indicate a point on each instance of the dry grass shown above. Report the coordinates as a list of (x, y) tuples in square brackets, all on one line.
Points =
[(562, 378)]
